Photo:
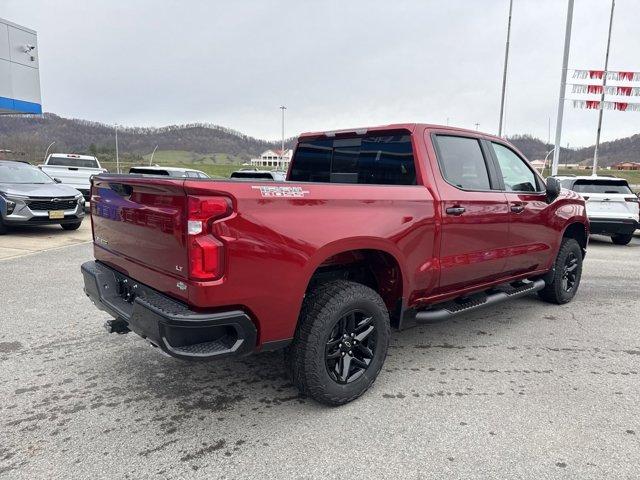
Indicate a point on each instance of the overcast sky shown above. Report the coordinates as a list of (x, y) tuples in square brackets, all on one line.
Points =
[(334, 64)]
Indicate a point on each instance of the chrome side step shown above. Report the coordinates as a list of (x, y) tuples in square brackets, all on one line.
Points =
[(442, 311)]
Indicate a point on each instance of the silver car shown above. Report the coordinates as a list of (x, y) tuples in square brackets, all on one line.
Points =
[(29, 196)]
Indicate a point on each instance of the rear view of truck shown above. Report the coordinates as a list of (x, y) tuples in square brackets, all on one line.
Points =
[(207, 268), (156, 245)]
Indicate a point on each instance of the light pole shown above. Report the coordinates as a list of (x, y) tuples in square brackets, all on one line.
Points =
[(283, 108), (152, 154), (563, 87), (46, 153), (117, 156), (604, 87), (504, 72), (544, 164)]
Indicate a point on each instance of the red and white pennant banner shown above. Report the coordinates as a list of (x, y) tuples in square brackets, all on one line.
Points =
[(599, 75), (598, 105), (609, 90)]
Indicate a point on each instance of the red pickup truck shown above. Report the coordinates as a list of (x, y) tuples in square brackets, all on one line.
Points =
[(374, 228)]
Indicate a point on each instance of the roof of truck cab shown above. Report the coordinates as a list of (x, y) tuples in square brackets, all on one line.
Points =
[(410, 127), (73, 155)]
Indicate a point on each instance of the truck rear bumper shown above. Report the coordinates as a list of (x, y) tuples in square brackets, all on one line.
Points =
[(167, 323), (613, 226)]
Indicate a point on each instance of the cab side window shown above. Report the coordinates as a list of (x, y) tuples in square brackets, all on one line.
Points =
[(517, 175), (462, 162)]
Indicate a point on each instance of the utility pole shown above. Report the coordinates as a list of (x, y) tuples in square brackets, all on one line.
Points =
[(283, 108), (477, 125), (604, 87), (563, 87), (117, 156), (504, 73)]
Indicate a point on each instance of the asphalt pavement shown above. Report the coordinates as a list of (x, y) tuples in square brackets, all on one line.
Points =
[(22, 241), (521, 390)]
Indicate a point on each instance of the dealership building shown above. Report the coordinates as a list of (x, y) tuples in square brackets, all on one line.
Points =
[(19, 73)]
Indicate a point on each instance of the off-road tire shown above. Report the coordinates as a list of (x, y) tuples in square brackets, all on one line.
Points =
[(621, 239), (305, 358), (71, 226), (554, 291)]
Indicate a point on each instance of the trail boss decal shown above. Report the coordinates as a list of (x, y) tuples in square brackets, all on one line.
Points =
[(287, 192)]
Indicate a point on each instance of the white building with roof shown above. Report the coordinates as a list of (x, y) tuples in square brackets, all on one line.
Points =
[(273, 158)]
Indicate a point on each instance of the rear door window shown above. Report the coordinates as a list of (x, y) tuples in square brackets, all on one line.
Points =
[(462, 162), (369, 159)]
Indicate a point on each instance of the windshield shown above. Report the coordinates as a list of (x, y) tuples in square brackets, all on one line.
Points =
[(22, 173), (72, 162), (601, 186)]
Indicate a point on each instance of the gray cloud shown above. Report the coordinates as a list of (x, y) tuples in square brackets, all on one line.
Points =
[(335, 64)]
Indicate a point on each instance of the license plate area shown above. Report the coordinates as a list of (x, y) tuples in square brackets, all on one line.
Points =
[(56, 214)]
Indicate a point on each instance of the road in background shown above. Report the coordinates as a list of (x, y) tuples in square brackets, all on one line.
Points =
[(521, 390)]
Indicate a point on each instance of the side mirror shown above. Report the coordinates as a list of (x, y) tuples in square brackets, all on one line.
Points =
[(57, 180), (553, 189)]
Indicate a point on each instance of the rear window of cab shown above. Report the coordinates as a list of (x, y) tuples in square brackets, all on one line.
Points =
[(368, 159)]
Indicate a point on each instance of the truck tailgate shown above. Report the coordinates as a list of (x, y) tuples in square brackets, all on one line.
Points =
[(142, 219)]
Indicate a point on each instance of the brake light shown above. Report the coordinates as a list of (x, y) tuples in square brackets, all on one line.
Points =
[(632, 199), (206, 252)]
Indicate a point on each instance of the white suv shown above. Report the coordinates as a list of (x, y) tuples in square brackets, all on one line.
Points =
[(612, 207)]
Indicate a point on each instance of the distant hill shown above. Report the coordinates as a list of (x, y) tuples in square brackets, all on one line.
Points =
[(28, 137), (621, 150)]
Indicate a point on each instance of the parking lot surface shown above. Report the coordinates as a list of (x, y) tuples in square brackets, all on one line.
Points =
[(521, 390), (22, 241)]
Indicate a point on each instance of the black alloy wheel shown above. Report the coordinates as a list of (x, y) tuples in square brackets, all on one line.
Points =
[(351, 347), (570, 272)]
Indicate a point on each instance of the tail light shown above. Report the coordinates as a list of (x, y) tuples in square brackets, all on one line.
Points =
[(632, 199), (206, 252)]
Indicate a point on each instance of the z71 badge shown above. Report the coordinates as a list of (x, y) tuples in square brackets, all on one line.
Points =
[(287, 192)]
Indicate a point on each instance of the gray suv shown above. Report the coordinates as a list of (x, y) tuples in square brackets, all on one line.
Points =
[(29, 196)]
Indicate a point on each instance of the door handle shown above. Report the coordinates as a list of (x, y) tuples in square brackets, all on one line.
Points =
[(517, 208), (455, 210)]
